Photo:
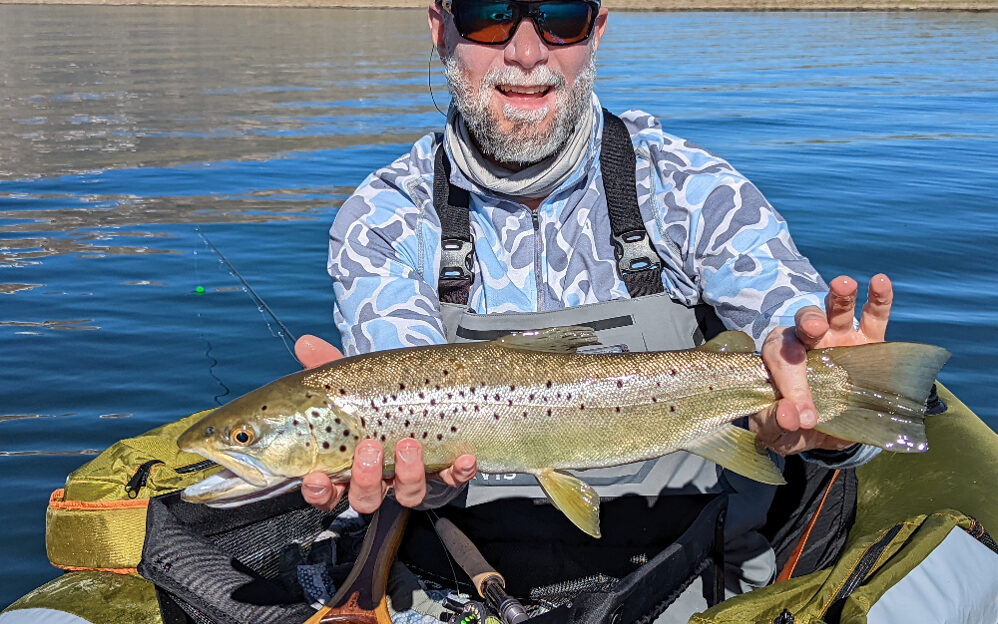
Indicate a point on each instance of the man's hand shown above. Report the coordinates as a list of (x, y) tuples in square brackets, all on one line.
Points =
[(367, 487), (788, 426)]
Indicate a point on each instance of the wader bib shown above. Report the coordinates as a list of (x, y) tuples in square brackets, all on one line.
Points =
[(673, 504)]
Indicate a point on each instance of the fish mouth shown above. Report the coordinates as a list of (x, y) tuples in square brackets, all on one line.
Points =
[(227, 489), (247, 468)]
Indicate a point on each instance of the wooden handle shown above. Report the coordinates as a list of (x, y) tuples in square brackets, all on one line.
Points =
[(361, 599), (466, 555)]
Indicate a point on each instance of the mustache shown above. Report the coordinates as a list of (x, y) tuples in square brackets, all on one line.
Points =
[(541, 76)]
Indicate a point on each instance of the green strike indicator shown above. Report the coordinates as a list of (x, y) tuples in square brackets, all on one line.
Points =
[(199, 290)]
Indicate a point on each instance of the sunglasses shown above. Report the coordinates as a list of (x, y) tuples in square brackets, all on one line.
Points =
[(558, 22)]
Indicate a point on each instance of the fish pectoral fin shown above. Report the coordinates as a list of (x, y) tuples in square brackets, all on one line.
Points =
[(729, 342), (551, 340), (735, 449), (573, 497)]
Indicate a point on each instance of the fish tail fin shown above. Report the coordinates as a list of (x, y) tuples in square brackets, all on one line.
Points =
[(889, 383)]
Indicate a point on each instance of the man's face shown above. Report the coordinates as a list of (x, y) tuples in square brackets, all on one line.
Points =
[(522, 99)]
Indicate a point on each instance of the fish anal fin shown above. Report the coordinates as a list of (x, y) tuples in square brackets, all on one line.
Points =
[(729, 342), (573, 497), (735, 449), (551, 340)]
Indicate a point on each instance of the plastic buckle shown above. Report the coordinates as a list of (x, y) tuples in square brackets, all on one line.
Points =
[(634, 252), (456, 259)]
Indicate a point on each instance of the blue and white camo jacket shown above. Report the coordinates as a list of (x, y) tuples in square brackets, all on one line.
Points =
[(720, 240)]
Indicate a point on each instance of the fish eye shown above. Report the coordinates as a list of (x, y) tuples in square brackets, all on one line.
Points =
[(209, 430), (243, 436)]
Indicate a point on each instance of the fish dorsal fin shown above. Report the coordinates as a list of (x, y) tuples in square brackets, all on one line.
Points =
[(551, 340), (734, 448), (573, 497), (729, 342)]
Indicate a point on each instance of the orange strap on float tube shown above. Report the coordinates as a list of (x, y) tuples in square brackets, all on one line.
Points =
[(102, 535)]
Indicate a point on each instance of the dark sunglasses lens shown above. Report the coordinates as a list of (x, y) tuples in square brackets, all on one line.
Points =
[(564, 23), (485, 22)]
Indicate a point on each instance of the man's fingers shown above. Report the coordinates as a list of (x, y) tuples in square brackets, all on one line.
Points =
[(367, 485), (786, 358), (464, 469), (319, 492), (810, 325), (877, 311), (312, 351), (840, 304), (410, 473)]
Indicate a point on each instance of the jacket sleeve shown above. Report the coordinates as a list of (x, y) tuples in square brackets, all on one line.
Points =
[(382, 299)]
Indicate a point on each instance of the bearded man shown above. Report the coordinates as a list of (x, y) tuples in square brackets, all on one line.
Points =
[(535, 207)]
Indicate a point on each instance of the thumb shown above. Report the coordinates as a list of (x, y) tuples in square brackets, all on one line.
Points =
[(312, 351)]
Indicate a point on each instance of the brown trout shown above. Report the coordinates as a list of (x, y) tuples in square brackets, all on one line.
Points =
[(530, 403)]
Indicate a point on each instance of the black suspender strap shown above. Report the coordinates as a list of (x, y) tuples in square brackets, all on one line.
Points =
[(637, 262), (457, 246)]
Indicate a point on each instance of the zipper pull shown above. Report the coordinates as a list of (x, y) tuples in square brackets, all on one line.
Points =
[(139, 479)]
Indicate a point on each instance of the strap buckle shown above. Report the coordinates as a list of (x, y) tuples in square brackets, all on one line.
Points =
[(635, 253), (457, 259)]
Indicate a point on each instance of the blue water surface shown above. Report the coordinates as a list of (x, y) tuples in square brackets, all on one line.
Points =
[(128, 132)]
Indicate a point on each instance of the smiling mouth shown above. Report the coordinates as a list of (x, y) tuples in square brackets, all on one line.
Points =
[(524, 91)]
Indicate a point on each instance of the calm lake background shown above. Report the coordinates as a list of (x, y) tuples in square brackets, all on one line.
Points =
[(125, 129)]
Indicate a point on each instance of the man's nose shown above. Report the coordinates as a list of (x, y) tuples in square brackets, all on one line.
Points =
[(526, 48)]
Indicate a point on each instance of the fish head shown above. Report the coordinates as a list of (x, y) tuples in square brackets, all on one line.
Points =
[(270, 437)]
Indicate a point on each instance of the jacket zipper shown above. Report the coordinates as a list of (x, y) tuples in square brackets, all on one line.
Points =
[(538, 255)]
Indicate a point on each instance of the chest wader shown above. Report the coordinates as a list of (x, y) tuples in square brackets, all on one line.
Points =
[(662, 520)]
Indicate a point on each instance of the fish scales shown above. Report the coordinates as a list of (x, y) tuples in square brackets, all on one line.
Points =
[(522, 410)]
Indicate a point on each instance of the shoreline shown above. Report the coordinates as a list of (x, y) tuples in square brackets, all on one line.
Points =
[(613, 5)]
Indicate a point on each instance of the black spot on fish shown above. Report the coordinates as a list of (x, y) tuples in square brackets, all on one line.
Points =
[(308, 444), (549, 411), (433, 401), (524, 414), (445, 373), (395, 397), (471, 389), (532, 395), (422, 396), (512, 388), (549, 383), (384, 400), (710, 388), (672, 372), (654, 399), (343, 448), (620, 384), (336, 420), (401, 386), (568, 397), (315, 414), (357, 438), (557, 395), (453, 429), (672, 408), (582, 406), (325, 445), (407, 423), (496, 415), (436, 387), (311, 427), (263, 408), (412, 435), (497, 396), (382, 437), (400, 409), (476, 408), (427, 381), (426, 412), (363, 422), (329, 429), (342, 391), (425, 433), (294, 422), (511, 402), (461, 394), (440, 436), (346, 433), (618, 409)]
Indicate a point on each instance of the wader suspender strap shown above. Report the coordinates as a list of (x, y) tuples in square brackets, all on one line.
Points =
[(637, 262), (457, 246)]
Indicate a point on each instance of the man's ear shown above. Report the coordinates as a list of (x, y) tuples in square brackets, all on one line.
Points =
[(599, 27), (438, 28)]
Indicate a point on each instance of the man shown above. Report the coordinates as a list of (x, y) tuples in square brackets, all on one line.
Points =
[(523, 140)]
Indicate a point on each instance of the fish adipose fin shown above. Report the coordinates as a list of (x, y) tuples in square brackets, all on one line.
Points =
[(735, 449), (885, 406), (729, 342), (551, 340), (573, 497)]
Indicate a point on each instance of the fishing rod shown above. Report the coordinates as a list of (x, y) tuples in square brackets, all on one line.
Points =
[(261, 304)]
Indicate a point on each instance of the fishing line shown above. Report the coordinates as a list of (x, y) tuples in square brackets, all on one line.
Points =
[(284, 332), (450, 559), (212, 362), (429, 83)]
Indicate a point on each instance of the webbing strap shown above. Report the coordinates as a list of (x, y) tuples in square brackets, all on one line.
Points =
[(637, 262), (457, 246)]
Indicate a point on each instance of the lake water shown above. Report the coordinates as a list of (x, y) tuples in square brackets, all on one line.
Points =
[(126, 131)]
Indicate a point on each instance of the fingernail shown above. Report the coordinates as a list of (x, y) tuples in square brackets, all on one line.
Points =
[(315, 490), (368, 455), (408, 453), (808, 418)]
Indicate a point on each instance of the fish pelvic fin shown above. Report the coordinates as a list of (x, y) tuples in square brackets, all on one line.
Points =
[(735, 449), (885, 405), (729, 342), (573, 497), (551, 340)]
